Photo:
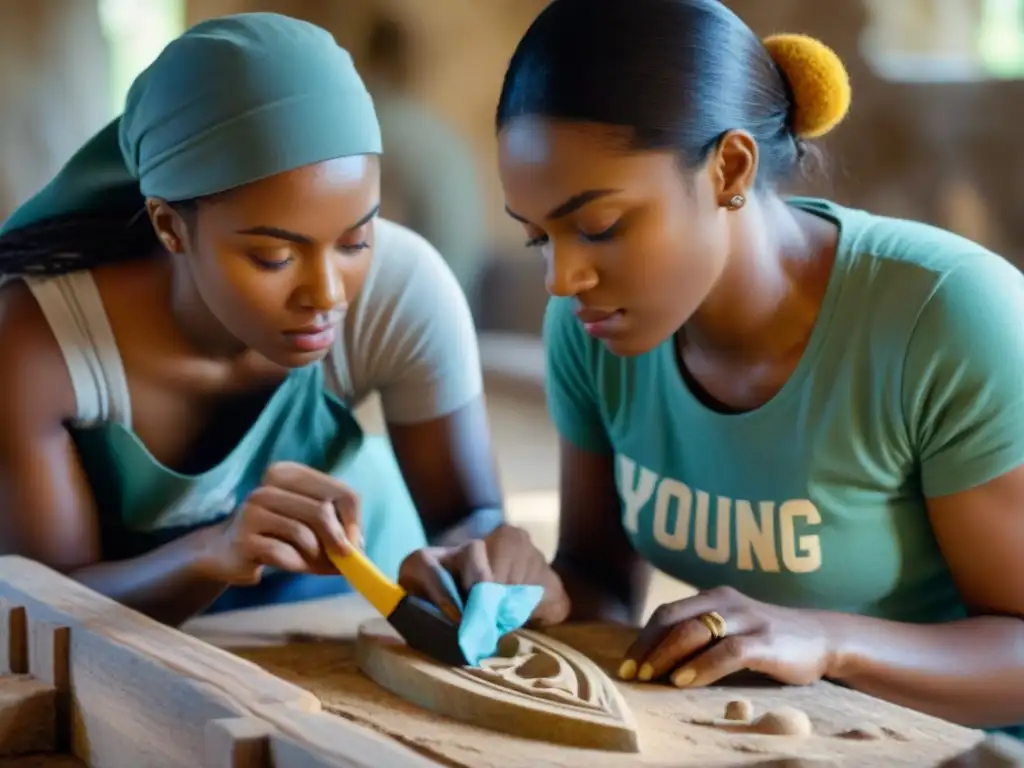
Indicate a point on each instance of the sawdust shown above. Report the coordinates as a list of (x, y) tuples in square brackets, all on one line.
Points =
[(739, 709), (667, 717), (998, 750), (862, 734), (784, 721)]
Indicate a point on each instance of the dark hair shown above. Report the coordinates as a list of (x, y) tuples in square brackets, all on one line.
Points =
[(82, 241), (677, 74)]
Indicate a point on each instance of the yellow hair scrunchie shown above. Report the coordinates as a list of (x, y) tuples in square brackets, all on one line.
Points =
[(818, 79)]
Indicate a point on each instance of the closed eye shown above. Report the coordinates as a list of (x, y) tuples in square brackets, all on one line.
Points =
[(270, 264), (356, 239), (601, 237), (597, 237)]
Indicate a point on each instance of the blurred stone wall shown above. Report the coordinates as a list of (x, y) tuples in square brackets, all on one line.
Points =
[(53, 90), (945, 153)]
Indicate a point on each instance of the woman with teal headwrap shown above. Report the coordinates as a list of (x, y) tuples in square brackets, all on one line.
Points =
[(192, 307)]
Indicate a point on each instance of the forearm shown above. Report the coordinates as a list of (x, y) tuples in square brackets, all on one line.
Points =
[(167, 583), (969, 672), (476, 525), (595, 598)]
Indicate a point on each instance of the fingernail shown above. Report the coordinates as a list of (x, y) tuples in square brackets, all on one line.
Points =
[(628, 670), (646, 673), (683, 676)]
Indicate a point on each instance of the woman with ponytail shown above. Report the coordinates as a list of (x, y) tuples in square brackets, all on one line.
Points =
[(813, 414)]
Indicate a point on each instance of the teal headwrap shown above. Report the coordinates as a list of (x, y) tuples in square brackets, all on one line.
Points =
[(233, 100)]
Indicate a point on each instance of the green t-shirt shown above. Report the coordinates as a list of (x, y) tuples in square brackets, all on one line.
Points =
[(911, 386)]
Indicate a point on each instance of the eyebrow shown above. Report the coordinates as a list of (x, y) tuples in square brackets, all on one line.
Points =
[(571, 205), (295, 237)]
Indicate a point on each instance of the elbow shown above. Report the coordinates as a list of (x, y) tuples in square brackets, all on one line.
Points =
[(66, 561)]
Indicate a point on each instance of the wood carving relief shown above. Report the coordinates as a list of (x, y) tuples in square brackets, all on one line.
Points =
[(541, 668), (535, 687)]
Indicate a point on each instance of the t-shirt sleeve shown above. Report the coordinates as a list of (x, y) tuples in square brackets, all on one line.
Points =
[(413, 339), (569, 381), (963, 381)]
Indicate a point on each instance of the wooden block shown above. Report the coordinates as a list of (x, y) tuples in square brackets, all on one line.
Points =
[(288, 753), (49, 649), (27, 716), (13, 639), (48, 653), (132, 710), (238, 742), (320, 740), (143, 692)]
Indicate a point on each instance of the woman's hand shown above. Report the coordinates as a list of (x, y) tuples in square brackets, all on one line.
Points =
[(715, 633), (506, 556), (288, 522)]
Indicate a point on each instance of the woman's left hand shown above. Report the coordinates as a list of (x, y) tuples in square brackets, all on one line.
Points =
[(715, 633), (505, 556)]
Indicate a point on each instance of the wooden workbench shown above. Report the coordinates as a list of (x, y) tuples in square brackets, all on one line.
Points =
[(118, 690), (311, 645)]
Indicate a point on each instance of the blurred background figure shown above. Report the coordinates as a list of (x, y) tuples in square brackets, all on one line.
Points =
[(430, 181)]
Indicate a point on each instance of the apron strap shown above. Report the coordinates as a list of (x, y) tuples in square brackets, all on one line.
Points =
[(74, 309)]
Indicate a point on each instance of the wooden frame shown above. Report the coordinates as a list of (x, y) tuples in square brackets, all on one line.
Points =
[(119, 689), (91, 682)]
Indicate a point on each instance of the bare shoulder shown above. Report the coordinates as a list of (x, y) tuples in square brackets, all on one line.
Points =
[(36, 384), (45, 498)]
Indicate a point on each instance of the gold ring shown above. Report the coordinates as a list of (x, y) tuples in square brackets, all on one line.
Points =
[(715, 624)]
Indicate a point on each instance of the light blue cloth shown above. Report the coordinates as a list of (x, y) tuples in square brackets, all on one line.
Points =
[(490, 612)]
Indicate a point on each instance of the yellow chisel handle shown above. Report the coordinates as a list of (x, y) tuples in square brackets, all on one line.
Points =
[(367, 579)]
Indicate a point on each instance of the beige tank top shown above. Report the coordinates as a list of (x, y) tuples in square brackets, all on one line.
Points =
[(73, 308)]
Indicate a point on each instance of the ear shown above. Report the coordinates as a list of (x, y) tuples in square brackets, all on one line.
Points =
[(733, 167), (170, 228)]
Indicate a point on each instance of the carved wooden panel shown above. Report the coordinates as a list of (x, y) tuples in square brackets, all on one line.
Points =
[(535, 687)]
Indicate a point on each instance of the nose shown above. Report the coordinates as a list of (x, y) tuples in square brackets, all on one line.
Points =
[(323, 288), (569, 272)]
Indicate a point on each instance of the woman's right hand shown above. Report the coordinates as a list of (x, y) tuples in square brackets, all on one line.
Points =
[(289, 522)]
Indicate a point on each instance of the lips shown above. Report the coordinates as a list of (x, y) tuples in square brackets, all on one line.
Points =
[(587, 315), (311, 330), (312, 338), (328, 320), (311, 342)]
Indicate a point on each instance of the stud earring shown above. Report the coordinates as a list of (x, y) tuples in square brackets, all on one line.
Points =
[(736, 202)]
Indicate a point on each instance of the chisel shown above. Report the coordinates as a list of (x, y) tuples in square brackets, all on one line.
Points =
[(420, 623)]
